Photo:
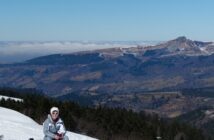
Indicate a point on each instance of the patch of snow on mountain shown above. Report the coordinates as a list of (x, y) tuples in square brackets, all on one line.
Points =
[(203, 49)]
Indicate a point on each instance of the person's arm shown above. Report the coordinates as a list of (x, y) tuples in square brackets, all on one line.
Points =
[(46, 130), (62, 129)]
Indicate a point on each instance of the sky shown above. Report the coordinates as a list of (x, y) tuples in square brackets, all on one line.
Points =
[(106, 20)]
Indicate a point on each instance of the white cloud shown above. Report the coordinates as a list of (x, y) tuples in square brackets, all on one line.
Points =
[(18, 51), (51, 47)]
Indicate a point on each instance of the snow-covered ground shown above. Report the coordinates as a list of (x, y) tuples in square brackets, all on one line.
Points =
[(16, 126), (11, 98)]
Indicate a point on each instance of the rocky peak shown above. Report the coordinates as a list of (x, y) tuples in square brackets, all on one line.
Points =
[(181, 39), (180, 45)]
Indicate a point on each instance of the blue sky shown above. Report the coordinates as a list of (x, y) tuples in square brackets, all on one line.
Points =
[(106, 19)]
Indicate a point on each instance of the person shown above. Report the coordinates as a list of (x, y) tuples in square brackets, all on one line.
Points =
[(53, 126)]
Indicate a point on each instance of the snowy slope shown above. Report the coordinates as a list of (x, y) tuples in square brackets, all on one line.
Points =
[(16, 126), (11, 98)]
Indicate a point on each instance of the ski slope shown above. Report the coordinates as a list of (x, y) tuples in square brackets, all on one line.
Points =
[(16, 126)]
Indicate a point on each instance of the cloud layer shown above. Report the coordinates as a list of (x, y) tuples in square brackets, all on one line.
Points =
[(20, 51)]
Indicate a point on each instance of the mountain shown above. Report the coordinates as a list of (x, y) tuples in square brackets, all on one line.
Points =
[(173, 64), (23, 128), (120, 77)]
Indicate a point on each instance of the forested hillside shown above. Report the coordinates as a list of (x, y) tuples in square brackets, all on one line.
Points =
[(102, 123)]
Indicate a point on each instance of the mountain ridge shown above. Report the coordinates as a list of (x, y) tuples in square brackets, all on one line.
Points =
[(178, 46)]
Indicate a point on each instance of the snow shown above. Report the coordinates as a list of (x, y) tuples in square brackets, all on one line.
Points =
[(12, 98), (16, 126), (203, 49)]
